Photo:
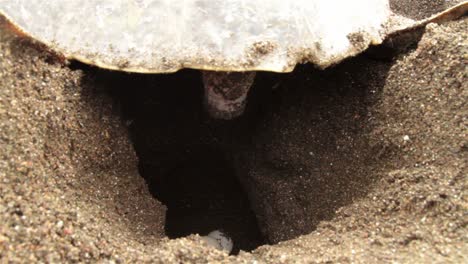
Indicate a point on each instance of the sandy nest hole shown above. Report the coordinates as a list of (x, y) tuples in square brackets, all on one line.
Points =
[(363, 162)]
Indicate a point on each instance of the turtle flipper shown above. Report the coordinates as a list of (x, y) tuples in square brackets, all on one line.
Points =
[(226, 93)]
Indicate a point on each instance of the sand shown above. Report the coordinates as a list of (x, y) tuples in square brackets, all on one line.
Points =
[(364, 162)]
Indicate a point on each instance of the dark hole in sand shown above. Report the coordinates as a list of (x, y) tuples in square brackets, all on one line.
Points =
[(202, 194), (189, 160), (183, 155)]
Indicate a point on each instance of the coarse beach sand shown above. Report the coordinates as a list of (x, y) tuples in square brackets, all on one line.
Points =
[(364, 162)]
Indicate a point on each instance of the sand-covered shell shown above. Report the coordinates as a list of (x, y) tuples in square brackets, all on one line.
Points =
[(156, 36)]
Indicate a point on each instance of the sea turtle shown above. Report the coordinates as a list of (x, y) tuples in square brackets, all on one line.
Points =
[(229, 40)]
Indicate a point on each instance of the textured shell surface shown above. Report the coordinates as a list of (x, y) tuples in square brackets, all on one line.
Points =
[(156, 36)]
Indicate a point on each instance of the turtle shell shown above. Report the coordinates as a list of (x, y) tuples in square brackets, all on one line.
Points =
[(158, 36)]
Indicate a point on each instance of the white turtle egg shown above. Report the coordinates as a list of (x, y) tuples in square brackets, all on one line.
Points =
[(219, 240)]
